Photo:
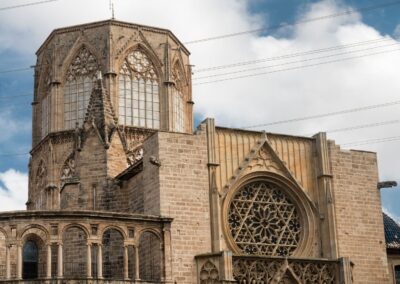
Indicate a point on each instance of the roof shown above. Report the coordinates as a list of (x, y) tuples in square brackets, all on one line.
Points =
[(112, 22), (392, 232)]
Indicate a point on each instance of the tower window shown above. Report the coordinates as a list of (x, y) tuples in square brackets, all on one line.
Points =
[(178, 110), (45, 116), (178, 99), (78, 87), (139, 99)]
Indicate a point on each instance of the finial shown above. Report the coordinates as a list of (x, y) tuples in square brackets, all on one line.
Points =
[(113, 16), (112, 9)]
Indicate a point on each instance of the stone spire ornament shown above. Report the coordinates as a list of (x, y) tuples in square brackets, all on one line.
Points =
[(100, 113)]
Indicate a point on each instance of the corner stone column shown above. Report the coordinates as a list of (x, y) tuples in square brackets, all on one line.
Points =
[(126, 261), (166, 254), (89, 261), (60, 261), (19, 262), (99, 261), (48, 261), (136, 268), (8, 271)]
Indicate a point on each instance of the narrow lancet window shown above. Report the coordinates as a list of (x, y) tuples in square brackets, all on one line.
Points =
[(78, 86), (139, 99), (178, 100), (45, 116)]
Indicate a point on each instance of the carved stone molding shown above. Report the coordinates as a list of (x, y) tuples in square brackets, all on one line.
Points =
[(68, 170), (266, 214), (209, 273), (84, 64)]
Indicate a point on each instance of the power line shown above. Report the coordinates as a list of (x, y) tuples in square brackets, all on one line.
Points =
[(290, 55), (15, 70), (346, 111), (26, 5), (295, 68), (17, 96), (362, 126), (13, 154), (371, 141), (345, 13), (293, 62), (372, 41)]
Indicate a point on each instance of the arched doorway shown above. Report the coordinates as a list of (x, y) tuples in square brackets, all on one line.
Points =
[(397, 273), (30, 260)]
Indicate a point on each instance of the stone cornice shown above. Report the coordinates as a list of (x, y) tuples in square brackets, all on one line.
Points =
[(61, 214), (109, 23)]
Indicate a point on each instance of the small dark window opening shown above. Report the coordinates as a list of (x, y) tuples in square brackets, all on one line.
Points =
[(30, 260)]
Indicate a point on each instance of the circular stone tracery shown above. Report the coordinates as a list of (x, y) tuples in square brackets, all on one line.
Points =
[(263, 221)]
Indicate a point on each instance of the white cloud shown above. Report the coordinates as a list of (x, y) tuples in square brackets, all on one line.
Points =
[(11, 125), (396, 32), (14, 192)]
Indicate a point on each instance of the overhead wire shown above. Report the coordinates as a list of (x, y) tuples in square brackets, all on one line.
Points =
[(295, 68), (322, 115), (294, 62), (285, 56), (377, 124), (15, 70), (371, 141), (275, 27), (233, 34), (16, 96), (26, 5), (13, 154), (371, 41)]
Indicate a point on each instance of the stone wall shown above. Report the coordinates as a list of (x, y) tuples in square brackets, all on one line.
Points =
[(360, 234), (144, 188), (184, 192)]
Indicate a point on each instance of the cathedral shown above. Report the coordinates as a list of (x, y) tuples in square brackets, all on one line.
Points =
[(123, 189)]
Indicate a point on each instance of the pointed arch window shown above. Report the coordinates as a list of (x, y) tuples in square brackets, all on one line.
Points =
[(139, 92), (45, 103), (45, 115), (178, 99), (78, 86)]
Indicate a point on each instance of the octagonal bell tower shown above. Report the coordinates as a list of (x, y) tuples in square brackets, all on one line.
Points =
[(100, 90)]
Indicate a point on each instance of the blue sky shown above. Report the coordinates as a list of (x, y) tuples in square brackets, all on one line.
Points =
[(236, 103)]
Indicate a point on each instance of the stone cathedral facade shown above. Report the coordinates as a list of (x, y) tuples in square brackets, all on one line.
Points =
[(122, 189)]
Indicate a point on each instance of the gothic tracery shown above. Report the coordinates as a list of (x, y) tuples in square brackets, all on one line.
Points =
[(139, 101), (263, 220), (78, 87), (68, 169), (209, 273), (178, 98), (41, 174)]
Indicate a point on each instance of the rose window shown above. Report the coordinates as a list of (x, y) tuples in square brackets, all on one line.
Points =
[(264, 221)]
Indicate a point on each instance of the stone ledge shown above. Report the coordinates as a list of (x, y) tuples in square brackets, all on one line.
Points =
[(5, 216)]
